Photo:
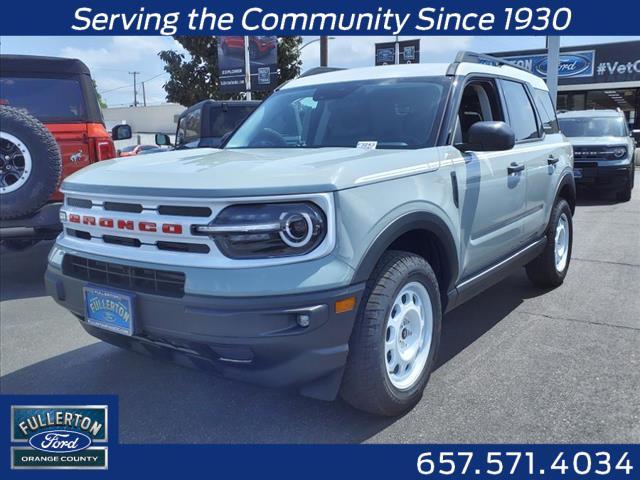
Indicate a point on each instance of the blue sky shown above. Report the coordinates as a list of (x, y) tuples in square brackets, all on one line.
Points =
[(111, 58)]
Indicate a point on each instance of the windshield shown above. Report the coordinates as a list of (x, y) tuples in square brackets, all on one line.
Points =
[(391, 113), (47, 99), (593, 127)]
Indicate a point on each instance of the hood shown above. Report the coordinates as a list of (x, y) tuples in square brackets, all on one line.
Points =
[(587, 141), (246, 172)]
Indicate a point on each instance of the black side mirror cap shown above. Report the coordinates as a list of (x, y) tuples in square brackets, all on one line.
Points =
[(490, 137), (162, 139), (121, 132)]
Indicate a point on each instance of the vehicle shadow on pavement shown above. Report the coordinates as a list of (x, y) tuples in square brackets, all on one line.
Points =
[(16, 280), (161, 402)]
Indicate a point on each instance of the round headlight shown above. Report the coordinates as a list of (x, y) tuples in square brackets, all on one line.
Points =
[(298, 229), (619, 152)]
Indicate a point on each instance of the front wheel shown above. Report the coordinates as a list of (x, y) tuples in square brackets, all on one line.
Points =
[(396, 336), (551, 266)]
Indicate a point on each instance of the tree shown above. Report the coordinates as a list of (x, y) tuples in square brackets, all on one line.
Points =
[(195, 77), (101, 102)]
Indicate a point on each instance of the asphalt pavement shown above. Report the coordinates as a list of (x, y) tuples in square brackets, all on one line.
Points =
[(517, 363)]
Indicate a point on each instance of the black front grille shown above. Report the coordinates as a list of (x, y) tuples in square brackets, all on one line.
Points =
[(596, 152), (145, 280), (123, 207)]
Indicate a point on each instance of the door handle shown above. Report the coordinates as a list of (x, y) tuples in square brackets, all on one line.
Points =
[(515, 168), (552, 160)]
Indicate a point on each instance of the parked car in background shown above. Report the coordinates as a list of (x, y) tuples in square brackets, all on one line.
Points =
[(154, 150), (132, 150), (206, 123), (50, 127), (603, 150)]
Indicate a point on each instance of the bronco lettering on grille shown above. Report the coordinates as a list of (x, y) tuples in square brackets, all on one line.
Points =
[(129, 225)]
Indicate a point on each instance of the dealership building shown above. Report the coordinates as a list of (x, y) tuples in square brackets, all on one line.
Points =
[(592, 76)]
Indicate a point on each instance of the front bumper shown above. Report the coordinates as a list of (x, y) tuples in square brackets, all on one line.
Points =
[(43, 224), (255, 339), (593, 175)]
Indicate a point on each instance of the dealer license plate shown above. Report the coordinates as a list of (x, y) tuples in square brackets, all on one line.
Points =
[(109, 309)]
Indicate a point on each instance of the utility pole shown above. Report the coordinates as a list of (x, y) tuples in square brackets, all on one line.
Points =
[(144, 95), (553, 65), (135, 88), (324, 51)]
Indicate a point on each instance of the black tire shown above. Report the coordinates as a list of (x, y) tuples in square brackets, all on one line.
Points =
[(15, 246), (542, 271), (365, 384), (624, 195), (46, 163)]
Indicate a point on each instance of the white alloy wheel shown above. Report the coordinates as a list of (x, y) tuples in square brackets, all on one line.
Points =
[(562, 242), (408, 336), (15, 163)]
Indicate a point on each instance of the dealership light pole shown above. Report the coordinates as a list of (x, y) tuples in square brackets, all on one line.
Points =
[(553, 65), (247, 69), (324, 51)]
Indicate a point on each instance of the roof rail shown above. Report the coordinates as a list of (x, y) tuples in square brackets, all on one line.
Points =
[(473, 57), (318, 70)]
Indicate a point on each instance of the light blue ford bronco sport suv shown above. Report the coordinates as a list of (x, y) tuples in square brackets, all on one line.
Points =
[(319, 249)]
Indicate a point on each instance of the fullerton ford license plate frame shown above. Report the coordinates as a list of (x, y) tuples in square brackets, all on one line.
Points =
[(109, 309)]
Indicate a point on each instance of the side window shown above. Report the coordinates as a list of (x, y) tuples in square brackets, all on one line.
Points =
[(479, 103), (181, 132), (546, 111), (521, 113)]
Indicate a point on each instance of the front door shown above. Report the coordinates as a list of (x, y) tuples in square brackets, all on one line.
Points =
[(492, 186)]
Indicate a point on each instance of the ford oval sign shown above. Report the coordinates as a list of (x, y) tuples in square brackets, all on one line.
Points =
[(60, 441), (570, 66)]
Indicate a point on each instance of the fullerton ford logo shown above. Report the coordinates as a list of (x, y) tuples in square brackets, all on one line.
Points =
[(60, 441), (59, 436)]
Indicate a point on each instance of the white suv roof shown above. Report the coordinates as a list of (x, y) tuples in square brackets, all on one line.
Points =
[(461, 67)]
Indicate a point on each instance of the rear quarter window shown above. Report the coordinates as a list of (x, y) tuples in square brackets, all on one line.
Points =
[(47, 99), (521, 114), (546, 111)]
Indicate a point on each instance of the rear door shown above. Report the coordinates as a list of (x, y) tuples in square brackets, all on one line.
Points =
[(543, 173)]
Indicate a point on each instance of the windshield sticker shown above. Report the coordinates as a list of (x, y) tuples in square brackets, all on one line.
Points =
[(368, 145)]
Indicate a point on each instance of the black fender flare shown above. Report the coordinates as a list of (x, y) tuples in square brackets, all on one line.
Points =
[(567, 180), (412, 221)]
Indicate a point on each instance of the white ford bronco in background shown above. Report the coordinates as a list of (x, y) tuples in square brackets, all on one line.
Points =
[(319, 249)]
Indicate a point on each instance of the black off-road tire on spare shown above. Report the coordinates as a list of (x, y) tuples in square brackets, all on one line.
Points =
[(543, 271), (366, 384), (43, 174)]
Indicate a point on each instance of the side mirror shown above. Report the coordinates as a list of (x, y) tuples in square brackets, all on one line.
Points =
[(636, 135), (121, 132), (490, 137), (162, 139)]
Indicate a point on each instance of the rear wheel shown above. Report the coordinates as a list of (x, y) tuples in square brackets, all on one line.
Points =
[(551, 266), (396, 336)]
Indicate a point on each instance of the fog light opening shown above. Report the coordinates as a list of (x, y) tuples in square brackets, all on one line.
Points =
[(304, 320)]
